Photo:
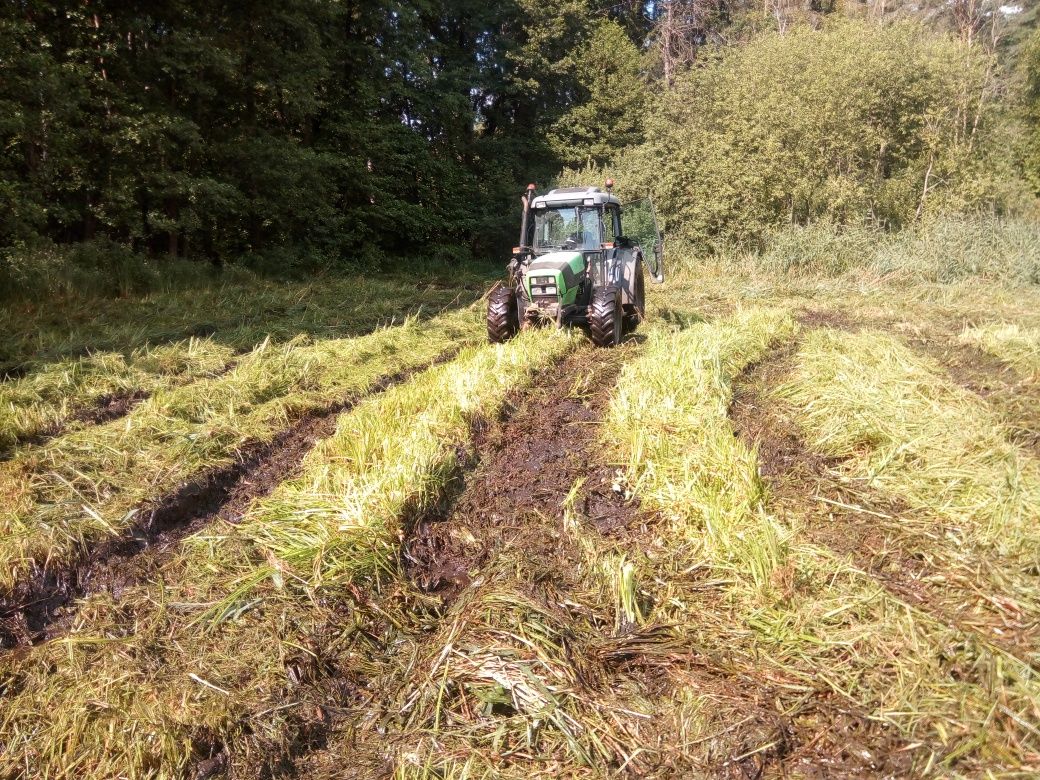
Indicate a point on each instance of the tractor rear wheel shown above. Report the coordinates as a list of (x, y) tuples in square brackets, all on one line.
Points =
[(502, 318), (635, 312), (606, 317)]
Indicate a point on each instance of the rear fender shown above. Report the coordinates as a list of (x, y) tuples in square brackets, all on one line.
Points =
[(628, 258)]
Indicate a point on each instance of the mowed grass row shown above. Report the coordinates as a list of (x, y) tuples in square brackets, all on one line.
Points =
[(909, 433), (49, 398), (231, 646), (90, 484), (1017, 346), (553, 663), (794, 615)]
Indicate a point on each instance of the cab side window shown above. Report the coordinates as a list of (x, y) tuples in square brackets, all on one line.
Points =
[(610, 225)]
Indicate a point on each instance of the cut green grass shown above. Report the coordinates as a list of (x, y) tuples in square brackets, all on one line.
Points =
[(669, 418), (1015, 345), (91, 484), (52, 397), (767, 607), (910, 434), (230, 647)]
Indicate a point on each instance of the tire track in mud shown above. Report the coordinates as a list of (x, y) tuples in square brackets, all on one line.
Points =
[(506, 528), (1014, 398), (108, 407), (858, 522), (37, 610)]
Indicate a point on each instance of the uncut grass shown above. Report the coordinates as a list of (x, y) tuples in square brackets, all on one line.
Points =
[(828, 635), (239, 312), (1017, 346), (48, 399), (92, 484), (250, 637)]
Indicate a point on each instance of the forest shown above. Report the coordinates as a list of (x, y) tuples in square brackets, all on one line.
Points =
[(304, 135)]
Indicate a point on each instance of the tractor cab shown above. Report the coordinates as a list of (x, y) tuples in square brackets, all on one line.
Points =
[(575, 265)]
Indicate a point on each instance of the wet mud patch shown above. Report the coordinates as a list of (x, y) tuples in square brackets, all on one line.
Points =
[(529, 465), (39, 608), (111, 407), (873, 531)]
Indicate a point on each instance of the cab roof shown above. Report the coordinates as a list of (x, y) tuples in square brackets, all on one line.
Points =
[(574, 196)]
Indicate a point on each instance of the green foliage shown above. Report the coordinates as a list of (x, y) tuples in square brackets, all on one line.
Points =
[(851, 123), (1031, 65), (608, 119), (300, 133)]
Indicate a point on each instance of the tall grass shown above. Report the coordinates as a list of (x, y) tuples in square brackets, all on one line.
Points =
[(236, 309), (91, 484), (226, 648), (948, 250)]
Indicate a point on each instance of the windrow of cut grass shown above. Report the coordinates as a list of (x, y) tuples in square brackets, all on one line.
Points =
[(669, 416), (907, 432), (93, 484), (44, 401), (250, 637), (1017, 346), (914, 693)]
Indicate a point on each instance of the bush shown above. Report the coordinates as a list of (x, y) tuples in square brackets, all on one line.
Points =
[(852, 124)]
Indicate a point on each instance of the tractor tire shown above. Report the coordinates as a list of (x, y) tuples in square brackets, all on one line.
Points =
[(502, 318), (635, 312), (606, 317)]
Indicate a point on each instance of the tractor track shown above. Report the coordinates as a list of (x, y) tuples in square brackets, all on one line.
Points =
[(38, 609), (857, 522), (108, 407), (335, 696), (507, 525)]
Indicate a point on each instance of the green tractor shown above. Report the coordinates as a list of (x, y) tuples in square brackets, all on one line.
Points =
[(579, 262)]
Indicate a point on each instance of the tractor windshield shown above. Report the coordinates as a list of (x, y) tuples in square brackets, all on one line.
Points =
[(567, 227)]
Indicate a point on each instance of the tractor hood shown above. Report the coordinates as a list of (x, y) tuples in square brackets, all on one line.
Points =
[(568, 266)]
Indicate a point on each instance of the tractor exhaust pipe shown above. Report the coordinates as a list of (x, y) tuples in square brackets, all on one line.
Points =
[(526, 198)]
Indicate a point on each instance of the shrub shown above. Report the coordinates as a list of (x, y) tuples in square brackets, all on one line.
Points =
[(852, 123)]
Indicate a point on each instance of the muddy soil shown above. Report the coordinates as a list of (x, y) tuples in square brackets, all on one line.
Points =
[(39, 609), (541, 467), (859, 523), (529, 465)]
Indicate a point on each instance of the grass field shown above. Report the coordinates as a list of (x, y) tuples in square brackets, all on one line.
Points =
[(789, 528)]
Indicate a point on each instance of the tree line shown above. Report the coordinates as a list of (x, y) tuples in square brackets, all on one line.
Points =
[(320, 132)]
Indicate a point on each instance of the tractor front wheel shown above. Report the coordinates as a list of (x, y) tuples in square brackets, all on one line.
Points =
[(606, 317), (502, 317)]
